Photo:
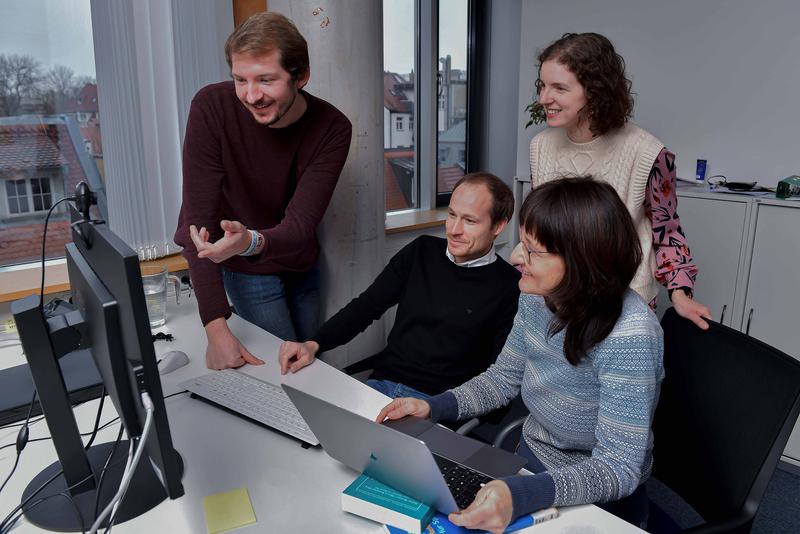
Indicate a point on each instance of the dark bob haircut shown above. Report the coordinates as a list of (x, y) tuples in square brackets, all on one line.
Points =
[(586, 223), (601, 71), (502, 197)]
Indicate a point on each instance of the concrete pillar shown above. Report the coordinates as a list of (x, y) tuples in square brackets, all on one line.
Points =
[(345, 41)]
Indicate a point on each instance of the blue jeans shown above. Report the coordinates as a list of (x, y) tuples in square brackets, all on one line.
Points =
[(285, 304), (396, 389)]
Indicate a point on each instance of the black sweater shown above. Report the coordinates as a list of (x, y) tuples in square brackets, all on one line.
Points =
[(451, 321)]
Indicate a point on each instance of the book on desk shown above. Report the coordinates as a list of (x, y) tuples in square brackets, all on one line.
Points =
[(369, 498)]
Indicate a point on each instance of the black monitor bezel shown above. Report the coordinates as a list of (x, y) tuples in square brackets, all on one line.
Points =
[(117, 265)]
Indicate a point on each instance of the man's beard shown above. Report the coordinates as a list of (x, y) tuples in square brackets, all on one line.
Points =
[(280, 114)]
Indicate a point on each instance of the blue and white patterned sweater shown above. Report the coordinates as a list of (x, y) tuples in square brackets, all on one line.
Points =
[(589, 424)]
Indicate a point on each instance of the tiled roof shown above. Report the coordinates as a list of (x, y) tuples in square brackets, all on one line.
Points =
[(393, 97), (446, 177), (395, 200), (86, 102), (456, 134), (31, 146), (41, 141)]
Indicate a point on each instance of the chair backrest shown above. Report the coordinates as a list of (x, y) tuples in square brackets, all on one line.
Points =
[(728, 404)]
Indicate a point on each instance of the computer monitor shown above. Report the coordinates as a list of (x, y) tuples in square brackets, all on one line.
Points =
[(111, 321)]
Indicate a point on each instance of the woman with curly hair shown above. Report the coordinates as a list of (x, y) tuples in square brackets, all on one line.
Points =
[(586, 98)]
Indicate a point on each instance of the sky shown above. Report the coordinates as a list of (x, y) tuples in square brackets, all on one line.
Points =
[(398, 34), (56, 32), (59, 32)]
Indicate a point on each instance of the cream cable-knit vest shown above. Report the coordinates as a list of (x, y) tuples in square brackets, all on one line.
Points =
[(622, 158)]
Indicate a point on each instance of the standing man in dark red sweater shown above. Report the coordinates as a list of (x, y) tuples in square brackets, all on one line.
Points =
[(261, 158)]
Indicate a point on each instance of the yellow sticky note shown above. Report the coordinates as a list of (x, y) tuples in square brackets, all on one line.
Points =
[(228, 510)]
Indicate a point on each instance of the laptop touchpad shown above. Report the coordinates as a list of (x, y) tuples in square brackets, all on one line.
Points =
[(449, 444)]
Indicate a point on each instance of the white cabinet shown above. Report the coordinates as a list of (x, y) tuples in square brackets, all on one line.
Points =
[(773, 292)]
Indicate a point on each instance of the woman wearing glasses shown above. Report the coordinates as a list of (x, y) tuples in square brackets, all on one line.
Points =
[(585, 352), (586, 99)]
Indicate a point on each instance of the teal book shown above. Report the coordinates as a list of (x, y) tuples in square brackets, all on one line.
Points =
[(369, 498)]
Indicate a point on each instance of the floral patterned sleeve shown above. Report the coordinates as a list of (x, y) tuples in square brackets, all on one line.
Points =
[(675, 267)]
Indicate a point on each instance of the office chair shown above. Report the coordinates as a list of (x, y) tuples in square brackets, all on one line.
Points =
[(727, 406)]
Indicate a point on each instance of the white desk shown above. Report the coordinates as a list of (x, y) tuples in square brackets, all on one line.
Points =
[(292, 489)]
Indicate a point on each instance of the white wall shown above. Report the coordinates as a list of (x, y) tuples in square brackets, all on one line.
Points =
[(502, 80), (346, 55), (715, 79)]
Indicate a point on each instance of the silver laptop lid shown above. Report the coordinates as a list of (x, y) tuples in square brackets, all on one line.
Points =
[(400, 461)]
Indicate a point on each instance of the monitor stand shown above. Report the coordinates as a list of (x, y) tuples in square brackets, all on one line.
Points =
[(54, 508)]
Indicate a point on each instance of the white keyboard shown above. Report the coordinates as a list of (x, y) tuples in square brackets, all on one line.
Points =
[(261, 401)]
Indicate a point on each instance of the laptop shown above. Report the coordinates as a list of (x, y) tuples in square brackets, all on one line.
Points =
[(81, 379), (416, 457)]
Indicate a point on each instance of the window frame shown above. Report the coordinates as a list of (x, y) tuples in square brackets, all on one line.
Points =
[(29, 196), (425, 126)]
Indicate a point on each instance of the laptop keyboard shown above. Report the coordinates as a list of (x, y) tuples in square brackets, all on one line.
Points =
[(463, 482), (261, 401)]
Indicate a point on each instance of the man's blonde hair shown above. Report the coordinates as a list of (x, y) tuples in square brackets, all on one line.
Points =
[(265, 32)]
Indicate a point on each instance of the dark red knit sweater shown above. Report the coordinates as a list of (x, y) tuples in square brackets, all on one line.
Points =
[(275, 180)]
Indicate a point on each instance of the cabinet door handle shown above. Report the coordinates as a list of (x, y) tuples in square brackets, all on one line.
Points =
[(722, 315), (749, 318)]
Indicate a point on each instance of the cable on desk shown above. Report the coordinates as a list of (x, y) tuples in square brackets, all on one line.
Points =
[(22, 441), (96, 420), (102, 427), (130, 468), (20, 508), (103, 472), (12, 425)]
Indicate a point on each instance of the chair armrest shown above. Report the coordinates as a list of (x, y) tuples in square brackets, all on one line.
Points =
[(503, 434), (468, 426), (367, 364)]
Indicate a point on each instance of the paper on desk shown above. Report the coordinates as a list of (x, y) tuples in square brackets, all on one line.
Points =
[(228, 510)]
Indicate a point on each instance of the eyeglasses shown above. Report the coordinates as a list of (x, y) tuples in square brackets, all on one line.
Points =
[(529, 254)]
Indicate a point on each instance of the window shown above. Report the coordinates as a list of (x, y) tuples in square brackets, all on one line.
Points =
[(28, 196), (400, 94), (452, 81), (429, 67), (42, 196), (48, 110), (17, 195)]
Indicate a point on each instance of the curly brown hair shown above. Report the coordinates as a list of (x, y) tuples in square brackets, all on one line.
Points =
[(601, 71)]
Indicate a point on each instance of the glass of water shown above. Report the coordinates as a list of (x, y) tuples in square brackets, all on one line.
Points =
[(154, 281)]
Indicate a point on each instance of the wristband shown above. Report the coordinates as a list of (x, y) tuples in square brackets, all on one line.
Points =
[(254, 241)]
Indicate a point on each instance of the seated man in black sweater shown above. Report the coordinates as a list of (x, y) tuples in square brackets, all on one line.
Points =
[(456, 301)]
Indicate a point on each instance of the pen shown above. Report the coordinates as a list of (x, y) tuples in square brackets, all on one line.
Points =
[(534, 519)]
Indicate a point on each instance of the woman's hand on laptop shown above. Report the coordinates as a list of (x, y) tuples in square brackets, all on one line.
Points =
[(491, 510), (404, 406), (294, 356)]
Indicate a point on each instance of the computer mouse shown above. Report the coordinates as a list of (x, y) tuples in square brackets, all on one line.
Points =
[(172, 360)]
